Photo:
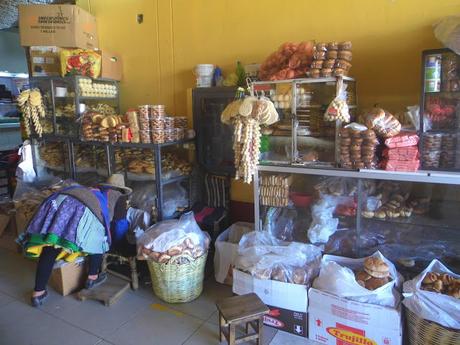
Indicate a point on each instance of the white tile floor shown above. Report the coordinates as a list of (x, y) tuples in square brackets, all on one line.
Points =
[(138, 318)]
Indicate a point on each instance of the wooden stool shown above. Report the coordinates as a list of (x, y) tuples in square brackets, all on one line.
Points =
[(247, 309)]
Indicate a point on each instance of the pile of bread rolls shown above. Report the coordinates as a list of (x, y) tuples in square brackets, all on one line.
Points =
[(181, 254), (441, 283), (375, 273), (287, 274)]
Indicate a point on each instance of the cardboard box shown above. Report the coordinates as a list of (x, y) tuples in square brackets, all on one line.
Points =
[(227, 251), (43, 61), (337, 321), (57, 25), (287, 302), (68, 277), (112, 66)]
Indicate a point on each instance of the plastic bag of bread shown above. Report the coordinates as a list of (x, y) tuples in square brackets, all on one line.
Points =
[(80, 62), (369, 280), (383, 123), (265, 257), (170, 238), (435, 295), (338, 109)]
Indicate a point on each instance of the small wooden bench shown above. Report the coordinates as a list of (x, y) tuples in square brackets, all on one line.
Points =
[(245, 309)]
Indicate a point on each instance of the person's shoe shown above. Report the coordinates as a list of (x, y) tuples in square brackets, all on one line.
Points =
[(91, 283), (38, 301)]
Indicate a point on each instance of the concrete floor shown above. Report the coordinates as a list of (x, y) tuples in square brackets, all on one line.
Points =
[(138, 318)]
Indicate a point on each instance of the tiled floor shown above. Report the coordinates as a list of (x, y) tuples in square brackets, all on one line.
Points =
[(138, 318)]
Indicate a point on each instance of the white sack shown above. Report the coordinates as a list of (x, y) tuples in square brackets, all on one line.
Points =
[(337, 277)]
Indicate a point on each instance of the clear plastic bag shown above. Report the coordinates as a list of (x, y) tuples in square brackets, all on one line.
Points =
[(144, 196), (139, 220), (323, 224), (175, 197), (433, 306), (279, 222), (266, 257), (337, 277), (338, 109), (170, 238)]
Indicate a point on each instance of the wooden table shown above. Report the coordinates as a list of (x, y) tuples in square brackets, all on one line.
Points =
[(245, 309)]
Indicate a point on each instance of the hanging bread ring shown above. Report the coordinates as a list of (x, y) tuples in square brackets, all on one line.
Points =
[(247, 105)]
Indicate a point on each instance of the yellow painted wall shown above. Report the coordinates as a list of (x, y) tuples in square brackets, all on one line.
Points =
[(159, 55)]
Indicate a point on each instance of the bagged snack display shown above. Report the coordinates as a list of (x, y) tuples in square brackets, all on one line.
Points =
[(291, 60), (80, 62), (435, 295), (172, 240), (383, 123), (369, 280), (265, 257), (338, 109)]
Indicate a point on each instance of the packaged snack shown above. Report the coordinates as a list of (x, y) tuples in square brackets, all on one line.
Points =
[(80, 62), (383, 123), (338, 109), (345, 55), (345, 45)]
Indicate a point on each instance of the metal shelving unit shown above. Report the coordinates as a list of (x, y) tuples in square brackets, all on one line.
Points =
[(159, 181)]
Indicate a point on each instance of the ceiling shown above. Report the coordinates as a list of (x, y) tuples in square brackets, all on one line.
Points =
[(9, 10)]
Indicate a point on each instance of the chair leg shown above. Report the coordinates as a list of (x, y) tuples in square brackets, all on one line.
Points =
[(231, 334), (221, 325), (260, 326), (134, 276), (248, 324)]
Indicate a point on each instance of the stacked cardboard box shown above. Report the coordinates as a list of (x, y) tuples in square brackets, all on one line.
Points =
[(45, 29)]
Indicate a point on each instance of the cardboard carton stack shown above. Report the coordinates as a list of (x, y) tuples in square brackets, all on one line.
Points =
[(46, 29)]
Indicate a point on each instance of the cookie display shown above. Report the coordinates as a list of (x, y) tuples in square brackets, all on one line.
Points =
[(274, 190), (431, 155), (357, 149), (331, 59)]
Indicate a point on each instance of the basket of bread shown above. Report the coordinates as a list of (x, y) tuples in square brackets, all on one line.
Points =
[(432, 303), (176, 252)]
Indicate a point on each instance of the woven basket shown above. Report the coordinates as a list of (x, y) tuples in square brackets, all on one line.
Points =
[(424, 332), (178, 283)]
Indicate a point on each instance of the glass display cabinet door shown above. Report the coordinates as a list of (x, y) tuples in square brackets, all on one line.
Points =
[(440, 110)]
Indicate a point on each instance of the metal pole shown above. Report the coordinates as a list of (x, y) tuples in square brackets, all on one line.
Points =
[(158, 180), (256, 200)]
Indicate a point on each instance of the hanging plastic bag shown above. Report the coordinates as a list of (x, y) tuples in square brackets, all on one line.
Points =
[(433, 306), (323, 224), (139, 220), (338, 109), (337, 277), (447, 31), (25, 170)]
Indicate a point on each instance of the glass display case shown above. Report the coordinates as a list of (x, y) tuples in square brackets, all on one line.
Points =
[(409, 217), (301, 104), (440, 110), (52, 158), (214, 138), (66, 98)]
